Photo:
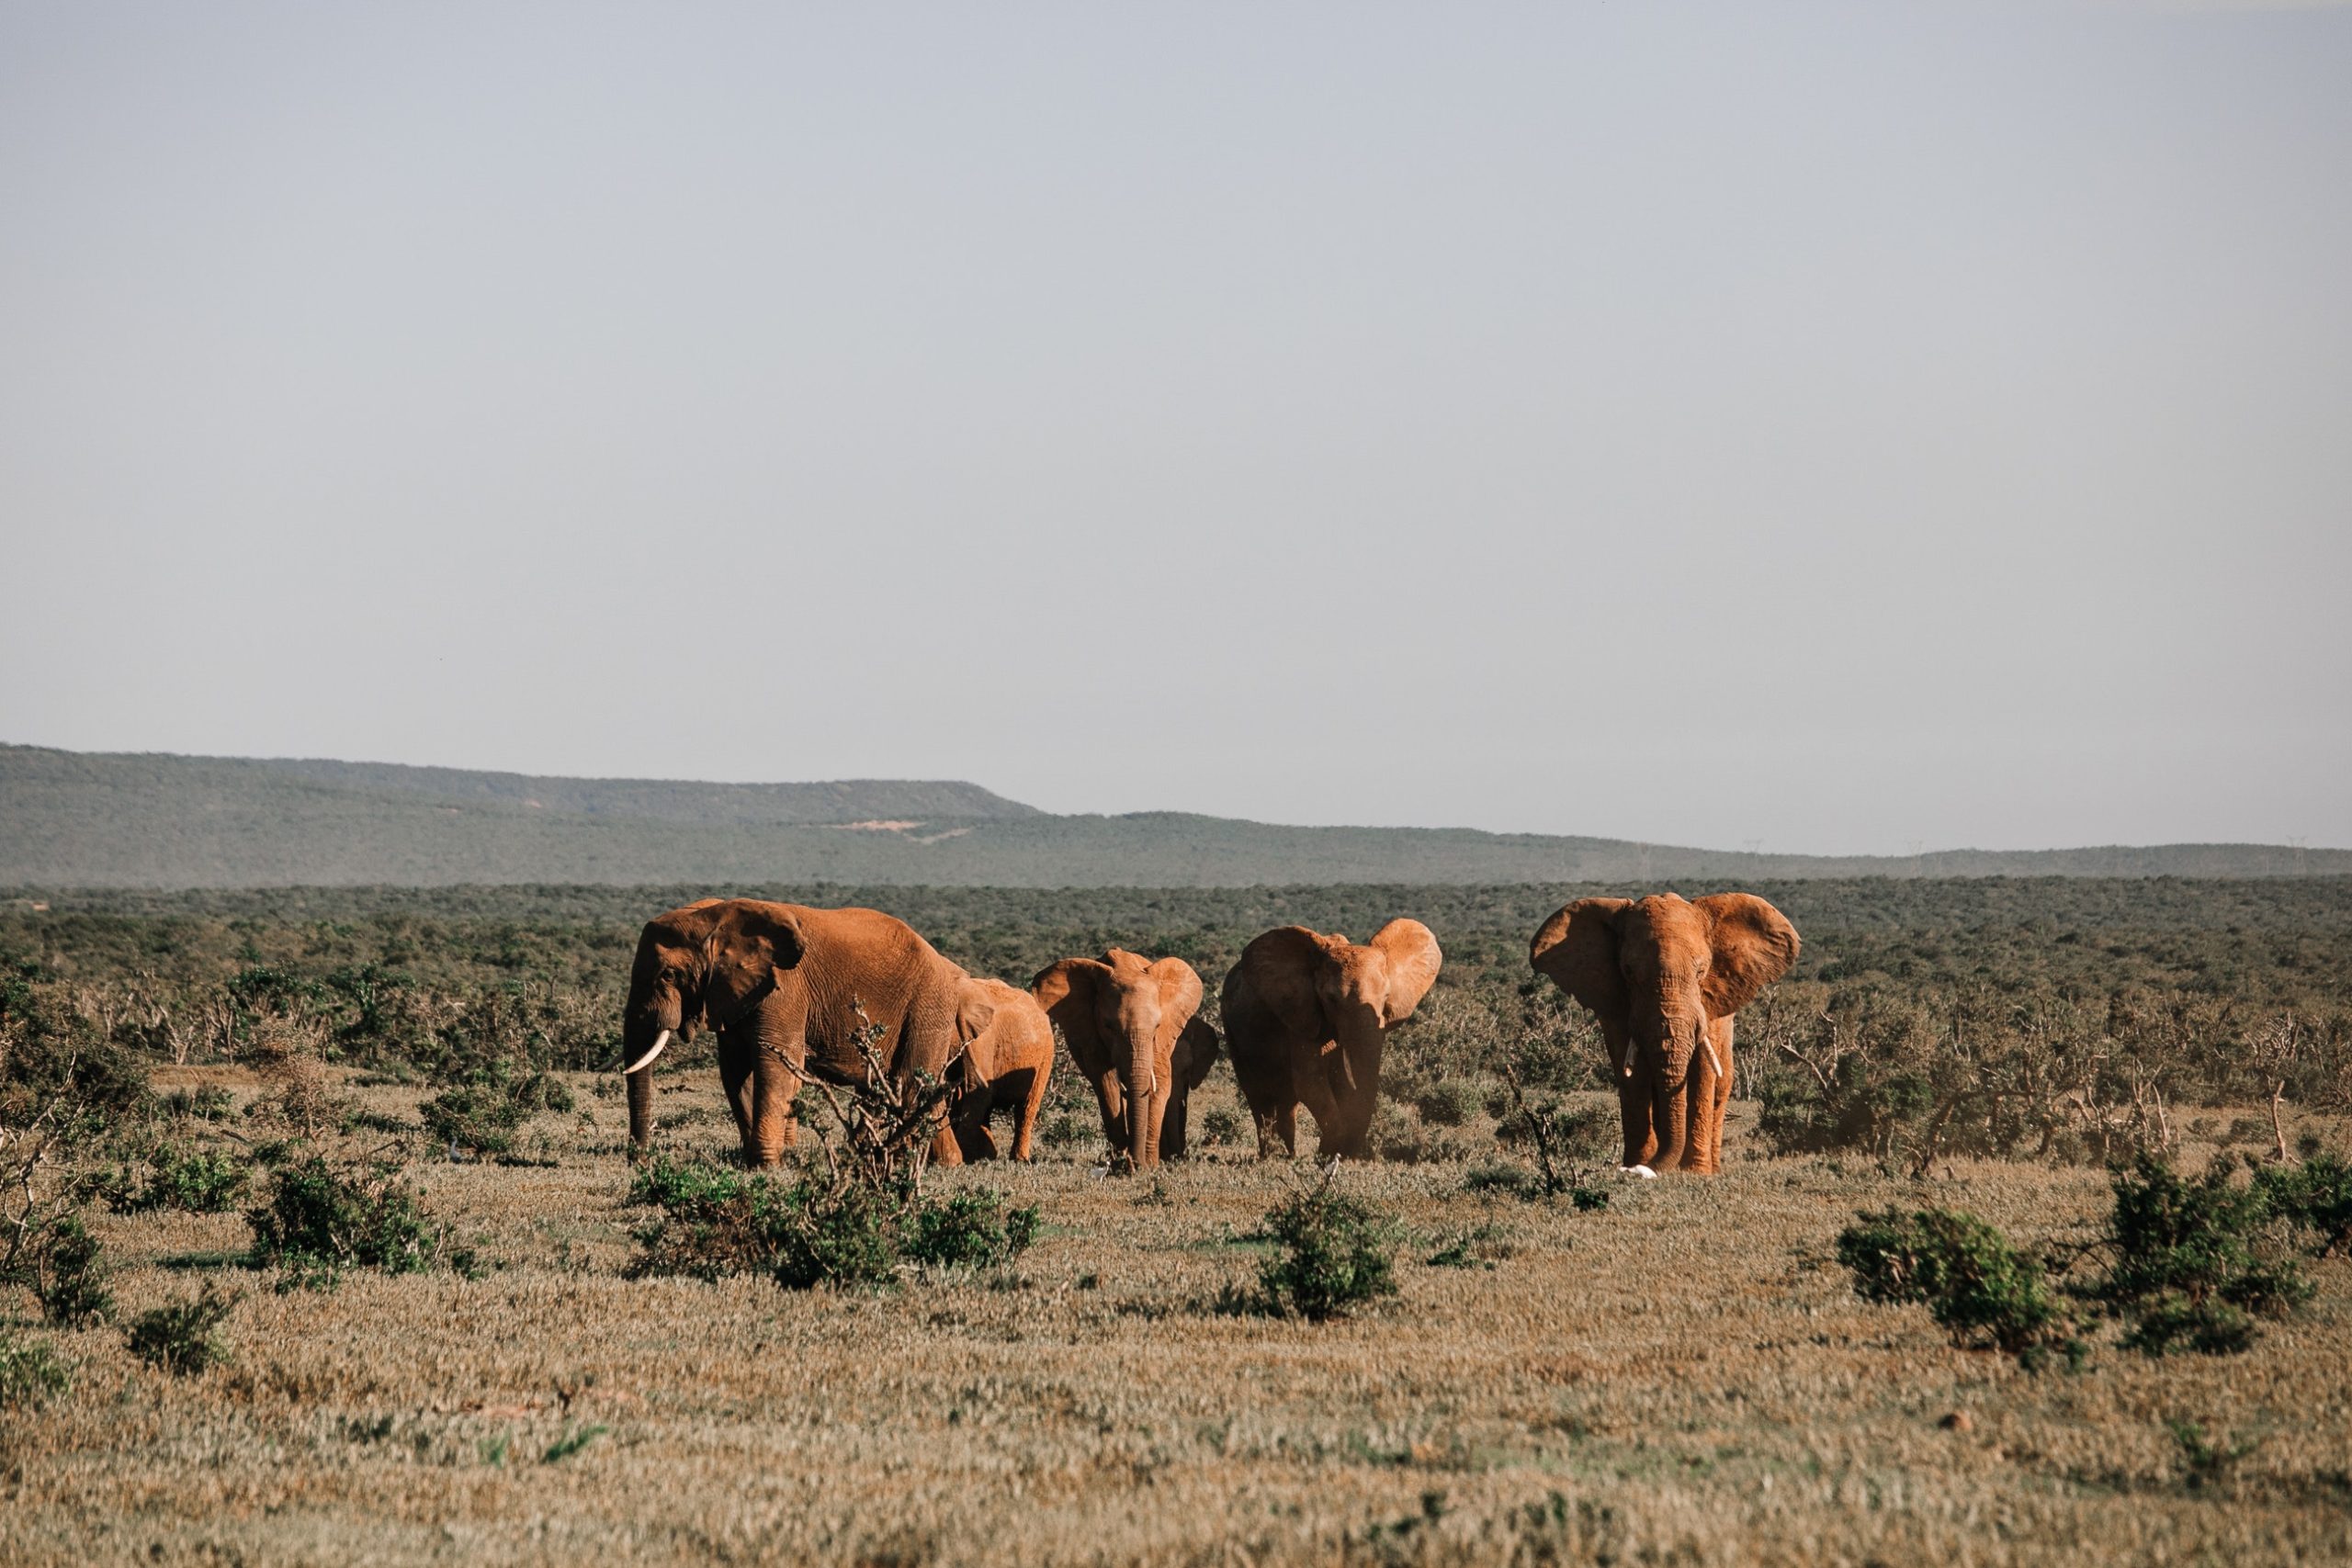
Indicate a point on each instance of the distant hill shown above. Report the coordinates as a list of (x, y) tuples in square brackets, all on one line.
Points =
[(93, 819)]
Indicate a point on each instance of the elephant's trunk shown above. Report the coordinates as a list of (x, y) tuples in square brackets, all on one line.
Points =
[(1147, 1093), (1671, 1117), (641, 1109)]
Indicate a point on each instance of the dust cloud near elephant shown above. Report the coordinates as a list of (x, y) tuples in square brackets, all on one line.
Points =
[(788, 989), (1135, 1033), (1306, 1017), (1664, 975)]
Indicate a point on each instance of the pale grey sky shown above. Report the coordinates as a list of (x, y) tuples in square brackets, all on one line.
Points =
[(1826, 427)]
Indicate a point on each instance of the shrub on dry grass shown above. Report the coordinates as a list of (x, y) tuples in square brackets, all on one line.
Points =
[(2188, 1265), (193, 1181), (29, 1373), (1335, 1253), (320, 1220), (1982, 1291), (180, 1338)]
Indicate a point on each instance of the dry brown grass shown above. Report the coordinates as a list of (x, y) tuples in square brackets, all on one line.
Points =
[(1682, 1377)]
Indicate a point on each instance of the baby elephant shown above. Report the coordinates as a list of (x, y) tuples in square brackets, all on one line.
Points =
[(1008, 1055), (1306, 1015), (1135, 1030)]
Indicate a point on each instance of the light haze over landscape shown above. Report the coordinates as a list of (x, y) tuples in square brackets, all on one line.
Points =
[(1828, 428)]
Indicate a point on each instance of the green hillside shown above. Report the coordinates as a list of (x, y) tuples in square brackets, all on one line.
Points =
[(77, 819)]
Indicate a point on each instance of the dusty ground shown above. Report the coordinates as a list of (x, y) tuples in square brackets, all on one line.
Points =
[(1682, 1378)]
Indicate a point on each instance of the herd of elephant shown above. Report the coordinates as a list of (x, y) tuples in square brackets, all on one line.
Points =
[(795, 993)]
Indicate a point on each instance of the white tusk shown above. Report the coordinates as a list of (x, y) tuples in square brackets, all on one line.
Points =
[(646, 1061), (1713, 1060)]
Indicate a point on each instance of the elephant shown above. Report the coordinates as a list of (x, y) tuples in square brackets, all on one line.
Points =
[(788, 989), (1664, 976), (1135, 1030), (1307, 1016), (1008, 1058)]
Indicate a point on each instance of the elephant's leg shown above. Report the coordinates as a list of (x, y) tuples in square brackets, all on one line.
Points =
[(1637, 1124), (1717, 1097), (769, 1129), (1172, 1125), (1313, 1083), (1634, 1117), (1033, 1104), (736, 1051), (1278, 1130)]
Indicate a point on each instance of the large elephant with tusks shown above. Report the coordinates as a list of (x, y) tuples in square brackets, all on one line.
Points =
[(788, 989)]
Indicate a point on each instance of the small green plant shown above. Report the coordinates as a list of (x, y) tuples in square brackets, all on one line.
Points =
[(2204, 1462), (30, 1375), (180, 1338), (570, 1443), (320, 1220), (970, 1230), (61, 1267), (482, 1113), (1220, 1126), (684, 1186), (494, 1449), (2185, 1264), (2315, 1196), (194, 1181), (1979, 1288), (1335, 1253), (1477, 1247), (840, 1235)]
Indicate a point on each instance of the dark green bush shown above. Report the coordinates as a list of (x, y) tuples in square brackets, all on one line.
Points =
[(320, 1219), (718, 1222), (2315, 1196), (1221, 1126), (179, 1338), (482, 1113), (970, 1230), (684, 1186), (1979, 1288), (194, 1181), (2187, 1263), (846, 1235), (1335, 1253), (30, 1375), (59, 1263)]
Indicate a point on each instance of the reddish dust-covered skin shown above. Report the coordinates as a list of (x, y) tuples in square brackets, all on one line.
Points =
[(1135, 1032), (1008, 1060), (1664, 976), (789, 989), (1306, 1017)]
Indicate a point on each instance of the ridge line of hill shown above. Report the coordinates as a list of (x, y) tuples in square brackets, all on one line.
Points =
[(165, 821)]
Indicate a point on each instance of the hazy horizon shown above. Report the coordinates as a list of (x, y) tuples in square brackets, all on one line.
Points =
[(1833, 430)]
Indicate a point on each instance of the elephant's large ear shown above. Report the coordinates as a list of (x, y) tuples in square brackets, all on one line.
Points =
[(1754, 945), (1576, 950), (1413, 964), (1279, 967), (975, 1009), (1067, 992), (1180, 1000), (753, 937), (747, 928), (1179, 988), (1196, 1051)]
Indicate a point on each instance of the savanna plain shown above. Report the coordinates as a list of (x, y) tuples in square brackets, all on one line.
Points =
[(1573, 1366)]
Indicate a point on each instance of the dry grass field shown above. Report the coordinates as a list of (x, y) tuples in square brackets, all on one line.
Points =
[(1684, 1376)]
